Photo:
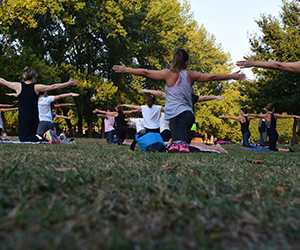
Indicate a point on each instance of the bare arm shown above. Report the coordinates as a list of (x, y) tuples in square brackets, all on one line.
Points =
[(253, 116), (57, 106), (286, 116), (57, 97), (102, 116), (130, 112), (210, 98), (62, 116), (238, 118), (139, 108), (158, 93), (12, 85), (8, 109), (45, 88), (153, 74), (114, 114), (12, 94), (284, 66), (198, 77), (5, 105)]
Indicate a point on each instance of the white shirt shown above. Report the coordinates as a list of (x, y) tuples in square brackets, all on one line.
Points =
[(164, 124), (139, 124), (44, 106), (151, 116)]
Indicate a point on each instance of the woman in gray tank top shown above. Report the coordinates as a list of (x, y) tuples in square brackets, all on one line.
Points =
[(178, 88)]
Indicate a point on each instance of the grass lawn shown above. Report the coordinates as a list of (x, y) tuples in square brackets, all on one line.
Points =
[(97, 196)]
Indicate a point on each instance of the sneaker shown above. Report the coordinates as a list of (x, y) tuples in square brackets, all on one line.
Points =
[(173, 147), (183, 147), (49, 136)]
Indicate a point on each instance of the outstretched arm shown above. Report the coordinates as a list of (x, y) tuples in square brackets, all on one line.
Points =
[(198, 77), (153, 74), (9, 109), (254, 116), (12, 85), (57, 106), (102, 116), (286, 116), (139, 108), (158, 93), (284, 66), (115, 114), (12, 94), (42, 88), (210, 98), (238, 118), (5, 105), (57, 97), (130, 112), (62, 116)]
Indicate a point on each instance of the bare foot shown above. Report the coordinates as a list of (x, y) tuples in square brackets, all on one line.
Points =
[(221, 149)]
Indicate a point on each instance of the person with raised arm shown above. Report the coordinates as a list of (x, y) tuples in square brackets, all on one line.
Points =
[(270, 120), (109, 128), (178, 88), (245, 122), (283, 66), (119, 115), (46, 125), (27, 92)]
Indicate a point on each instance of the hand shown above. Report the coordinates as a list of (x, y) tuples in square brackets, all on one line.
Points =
[(297, 116), (120, 68), (73, 82), (237, 76), (221, 116), (245, 64), (74, 94), (95, 111), (220, 98)]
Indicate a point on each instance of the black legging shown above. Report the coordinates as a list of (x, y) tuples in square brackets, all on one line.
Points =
[(27, 130), (273, 137), (181, 126), (121, 132)]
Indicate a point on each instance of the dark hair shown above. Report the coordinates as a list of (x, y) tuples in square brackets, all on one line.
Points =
[(151, 99), (110, 109), (245, 110), (119, 108), (28, 74), (52, 105), (179, 59), (41, 93), (270, 107), (263, 111)]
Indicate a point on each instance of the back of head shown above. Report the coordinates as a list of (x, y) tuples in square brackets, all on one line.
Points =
[(151, 99), (179, 60), (245, 110), (270, 107), (263, 111), (29, 74), (119, 108)]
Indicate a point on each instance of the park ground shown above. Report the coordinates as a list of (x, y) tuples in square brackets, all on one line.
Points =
[(98, 196)]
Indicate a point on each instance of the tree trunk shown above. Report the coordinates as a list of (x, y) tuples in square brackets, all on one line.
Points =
[(79, 117), (90, 129), (294, 131), (65, 113), (102, 128)]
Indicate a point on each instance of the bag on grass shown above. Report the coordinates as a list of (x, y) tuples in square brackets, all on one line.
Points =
[(151, 142)]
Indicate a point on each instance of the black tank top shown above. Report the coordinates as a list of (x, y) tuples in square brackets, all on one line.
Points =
[(120, 119), (28, 102), (271, 125), (245, 125)]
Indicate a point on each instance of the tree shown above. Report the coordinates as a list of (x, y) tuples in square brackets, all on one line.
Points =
[(280, 41)]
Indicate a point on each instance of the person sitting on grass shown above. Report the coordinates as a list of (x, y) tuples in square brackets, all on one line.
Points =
[(27, 92), (245, 122), (270, 120), (119, 115)]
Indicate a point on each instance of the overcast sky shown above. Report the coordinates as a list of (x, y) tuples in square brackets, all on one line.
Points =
[(231, 22)]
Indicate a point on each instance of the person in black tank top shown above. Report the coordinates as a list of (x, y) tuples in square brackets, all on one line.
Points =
[(270, 120), (119, 115), (27, 92), (244, 121)]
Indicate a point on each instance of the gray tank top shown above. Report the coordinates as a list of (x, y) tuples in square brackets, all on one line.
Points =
[(179, 96)]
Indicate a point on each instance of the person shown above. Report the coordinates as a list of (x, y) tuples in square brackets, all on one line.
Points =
[(270, 120), (195, 99), (245, 122), (178, 89), (4, 108), (109, 128), (164, 128), (45, 114), (283, 66), (150, 113), (119, 115), (27, 92), (140, 129), (262, 129)]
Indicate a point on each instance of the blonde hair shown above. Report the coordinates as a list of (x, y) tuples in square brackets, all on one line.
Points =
[(179, 59), (28, 74)]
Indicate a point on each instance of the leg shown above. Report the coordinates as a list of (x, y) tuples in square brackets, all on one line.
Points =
[(273, 136), (43, 127), (246, 137), (166, 135), (27, 130), (216, 147), (110, 136), (181, 125)]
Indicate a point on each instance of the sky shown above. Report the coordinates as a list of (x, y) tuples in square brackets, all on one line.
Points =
[(232, 21)]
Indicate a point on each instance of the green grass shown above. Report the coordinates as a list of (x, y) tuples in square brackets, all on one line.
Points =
[(120, 200)]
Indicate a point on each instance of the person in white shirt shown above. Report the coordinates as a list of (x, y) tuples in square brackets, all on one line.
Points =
[(140, 130), (151, 114), (164, 128), (45, 114)]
